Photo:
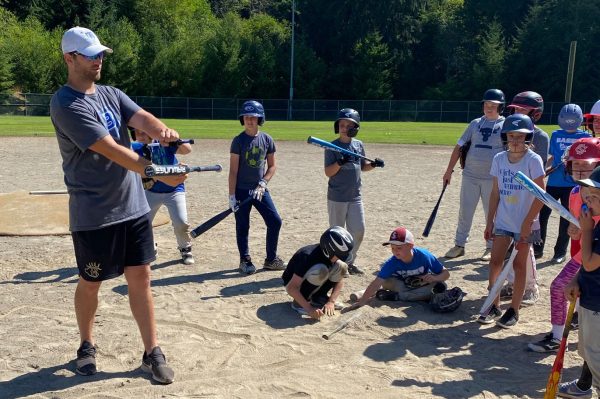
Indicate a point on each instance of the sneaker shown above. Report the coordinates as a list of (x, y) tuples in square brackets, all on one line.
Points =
[(246, 266), (186, 256), (538, 255), (387, 295), (487, 254), (298, 308), (275, 264), (455, 252), (548, 344), (86, 359), (509, 319), (492, 315), (575, 321), (558, 259), (530, 296), (571, 390), (353, 269), (507, 291), (155, 249), (156, 364)]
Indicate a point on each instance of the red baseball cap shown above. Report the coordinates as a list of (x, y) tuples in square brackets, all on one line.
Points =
[(400, 236)]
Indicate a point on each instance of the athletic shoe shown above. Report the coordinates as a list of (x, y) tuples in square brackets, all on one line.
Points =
[(487, 254), (455, 252), (275, 264), (507, 291), (571, 390), (538, 255), (492, 315), (387, 295), (296, 306), (558, 259), (509, 319), (548, 344), (530, 296), (155, 249), (353, 269), (575, 321), (246, 266), (86, 359), (156, 364), (186, 256)]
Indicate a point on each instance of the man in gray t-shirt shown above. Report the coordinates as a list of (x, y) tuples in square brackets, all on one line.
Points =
[(483, 134), (108, 212)]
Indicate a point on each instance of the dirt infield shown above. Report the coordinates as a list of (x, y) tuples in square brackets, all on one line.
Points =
[(228, 335)]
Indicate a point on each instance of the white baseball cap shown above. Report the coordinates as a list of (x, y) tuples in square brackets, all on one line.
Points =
[(83, 41)]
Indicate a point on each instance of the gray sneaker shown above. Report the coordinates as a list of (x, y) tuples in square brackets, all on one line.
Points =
[(571, 390), (455, 252), (530, 296), (85, 364), (275, 264), (507, 291), (246, 266), (155, 363)]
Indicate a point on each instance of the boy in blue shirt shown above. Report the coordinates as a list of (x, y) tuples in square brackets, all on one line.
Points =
[(407, 263)]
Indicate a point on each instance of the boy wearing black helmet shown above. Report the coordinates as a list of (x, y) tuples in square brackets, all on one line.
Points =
[(316, 269), (344, 200), (251, 167), (482, 137)]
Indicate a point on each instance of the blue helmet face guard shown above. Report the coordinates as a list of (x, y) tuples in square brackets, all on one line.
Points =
[(252, 108)]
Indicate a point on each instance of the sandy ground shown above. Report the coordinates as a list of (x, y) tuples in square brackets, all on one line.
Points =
[(228, 335)]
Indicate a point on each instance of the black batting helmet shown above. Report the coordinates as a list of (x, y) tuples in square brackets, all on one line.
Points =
[(495, 96), (337, 241), (348, 114), (530, 100)]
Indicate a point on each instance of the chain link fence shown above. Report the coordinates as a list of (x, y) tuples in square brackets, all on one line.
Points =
[(34, 104)]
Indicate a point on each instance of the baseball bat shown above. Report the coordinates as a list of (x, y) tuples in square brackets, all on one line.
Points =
[(495, 290), (174, 170), (330, 146), (213, 221), (544, 197), (173, 143), (48, 192), (554, 378), (343, 324), (433, 215)]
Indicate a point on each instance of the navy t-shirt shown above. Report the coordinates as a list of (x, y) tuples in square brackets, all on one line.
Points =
[(253, 151), (589, 282)]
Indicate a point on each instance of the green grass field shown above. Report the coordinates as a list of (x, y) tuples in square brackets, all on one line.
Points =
[(371, 132)]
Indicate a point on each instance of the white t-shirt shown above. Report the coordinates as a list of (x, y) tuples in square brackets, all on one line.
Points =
[(515, 200)]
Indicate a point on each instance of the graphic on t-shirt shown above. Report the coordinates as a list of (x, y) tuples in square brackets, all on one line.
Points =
[(486, 132), (255, 156), (508, 186), (112, 124)]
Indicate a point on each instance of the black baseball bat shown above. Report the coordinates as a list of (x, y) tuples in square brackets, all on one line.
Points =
[(213, 221), (330, 146), (174, 170), (433, 215), (173, 143)]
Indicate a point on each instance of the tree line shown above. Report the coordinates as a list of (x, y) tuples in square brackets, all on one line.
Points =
[(344, 49)]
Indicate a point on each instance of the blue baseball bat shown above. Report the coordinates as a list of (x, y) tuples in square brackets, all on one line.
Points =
[(330, 146)]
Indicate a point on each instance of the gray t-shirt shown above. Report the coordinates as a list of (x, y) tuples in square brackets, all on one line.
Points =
[(486, 142), (541, 144), (101, 192), (344, 186), (253, 151)]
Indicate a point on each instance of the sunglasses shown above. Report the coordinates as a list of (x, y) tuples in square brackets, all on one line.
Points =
[(96, 57)]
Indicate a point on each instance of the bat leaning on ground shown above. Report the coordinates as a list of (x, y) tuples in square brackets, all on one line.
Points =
[(213, 221), (495, 290), (344, 324), (433, 215), (554, 378), (544, 197), (174, 170), (330, 146)]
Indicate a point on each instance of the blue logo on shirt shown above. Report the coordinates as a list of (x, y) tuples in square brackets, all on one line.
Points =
[(112, 124)]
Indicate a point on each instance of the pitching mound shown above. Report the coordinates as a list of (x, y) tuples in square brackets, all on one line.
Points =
[(22, 214)]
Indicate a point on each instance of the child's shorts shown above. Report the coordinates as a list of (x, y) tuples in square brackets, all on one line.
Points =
[(534, 238)]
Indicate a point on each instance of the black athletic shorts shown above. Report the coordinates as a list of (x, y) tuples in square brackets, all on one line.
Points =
[(102, 254)]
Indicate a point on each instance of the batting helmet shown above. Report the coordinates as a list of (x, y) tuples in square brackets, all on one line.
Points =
[(570, 117), (589, 118), (530, 100), (585, 149), (443, 300), (517, 123), (495, 96), (337, 241), (252, 108), (348, 114)]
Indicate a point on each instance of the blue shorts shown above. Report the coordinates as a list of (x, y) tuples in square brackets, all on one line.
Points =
[(534, 238), (102, 254)]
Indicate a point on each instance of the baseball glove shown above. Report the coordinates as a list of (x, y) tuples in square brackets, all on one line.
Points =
[(464, 149), (446, 300), (413, 282)]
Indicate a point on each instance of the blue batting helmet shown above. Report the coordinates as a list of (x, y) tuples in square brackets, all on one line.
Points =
[(517, 123), (570, 117), (252, 108)]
